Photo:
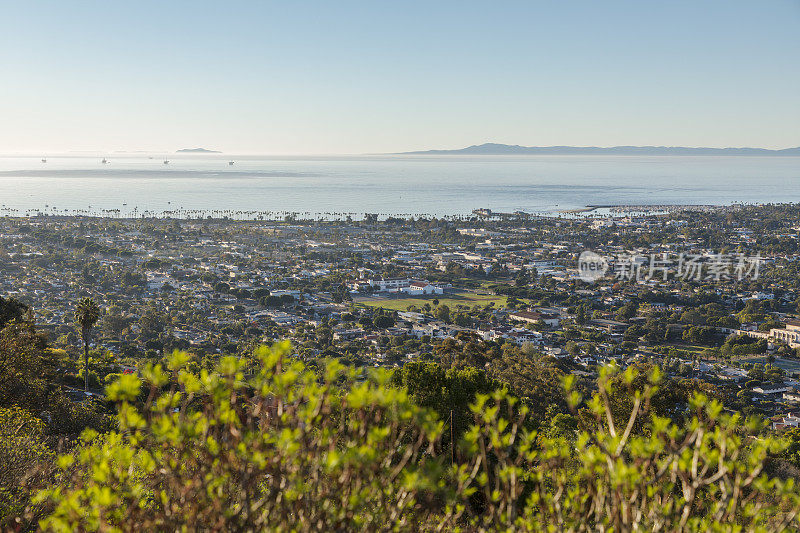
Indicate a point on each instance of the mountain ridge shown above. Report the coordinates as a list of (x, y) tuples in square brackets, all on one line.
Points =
[(197, 151), (515, 149)]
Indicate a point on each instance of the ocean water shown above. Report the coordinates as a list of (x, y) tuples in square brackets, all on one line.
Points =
[(333, 187)]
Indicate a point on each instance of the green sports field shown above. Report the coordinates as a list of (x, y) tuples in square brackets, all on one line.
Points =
[(451, 300)]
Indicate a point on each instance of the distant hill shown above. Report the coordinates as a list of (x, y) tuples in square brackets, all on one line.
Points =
[(197, 151), (513, 149)]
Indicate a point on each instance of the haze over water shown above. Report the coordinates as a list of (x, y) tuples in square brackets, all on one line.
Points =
[(387, 185)]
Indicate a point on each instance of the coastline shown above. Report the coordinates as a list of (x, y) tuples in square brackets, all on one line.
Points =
[(595, 211)]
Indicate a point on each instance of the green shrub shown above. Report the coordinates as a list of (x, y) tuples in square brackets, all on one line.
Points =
[(24, 456), (111, 378), (277, 446)]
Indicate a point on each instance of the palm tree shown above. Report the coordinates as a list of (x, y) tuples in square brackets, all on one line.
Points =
[(86, 316)]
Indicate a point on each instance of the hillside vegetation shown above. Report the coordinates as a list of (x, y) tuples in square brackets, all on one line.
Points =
[(268, 443)]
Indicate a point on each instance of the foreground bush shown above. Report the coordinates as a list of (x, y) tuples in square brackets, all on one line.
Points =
[(287, 448), (24, 456)]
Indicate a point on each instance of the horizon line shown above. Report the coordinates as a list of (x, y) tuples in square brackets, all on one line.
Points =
[(215, 152)]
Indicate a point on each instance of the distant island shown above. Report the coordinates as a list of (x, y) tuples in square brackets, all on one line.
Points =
[(197, 151), (514, 149)]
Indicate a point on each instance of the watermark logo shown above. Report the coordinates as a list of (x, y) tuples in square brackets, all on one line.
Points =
[(707, 267), (591, 266)]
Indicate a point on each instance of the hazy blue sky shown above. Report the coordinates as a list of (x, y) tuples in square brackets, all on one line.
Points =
[(375, 76)]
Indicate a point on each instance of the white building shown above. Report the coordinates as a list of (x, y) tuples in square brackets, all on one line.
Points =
[(414, 288), (774, 389), (422, 288), (534, 317), (789, 335), (790, 420), (389, 285)]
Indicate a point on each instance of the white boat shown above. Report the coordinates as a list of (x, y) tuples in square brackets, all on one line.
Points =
[(166, 161), (230, 163)]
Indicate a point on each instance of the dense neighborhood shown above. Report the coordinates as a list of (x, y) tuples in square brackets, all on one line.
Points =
[(384, 293)]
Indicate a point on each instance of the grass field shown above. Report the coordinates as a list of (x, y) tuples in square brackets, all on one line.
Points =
[(451, 300), (695, 348)]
